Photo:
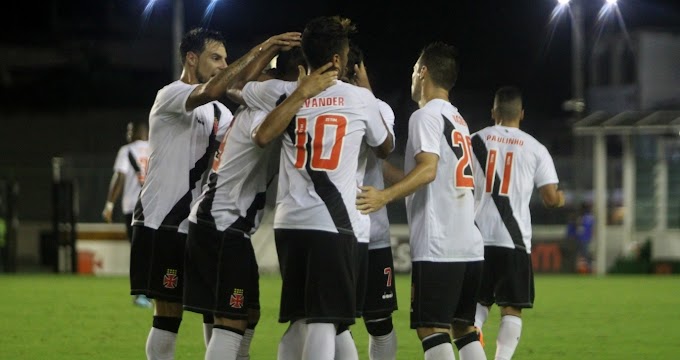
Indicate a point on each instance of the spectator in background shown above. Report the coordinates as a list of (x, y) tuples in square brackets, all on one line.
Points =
[(129, 170), (581, 230)]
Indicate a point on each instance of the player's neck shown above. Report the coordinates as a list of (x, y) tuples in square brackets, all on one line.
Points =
[(509, 123), (432, 93), (188, 77)]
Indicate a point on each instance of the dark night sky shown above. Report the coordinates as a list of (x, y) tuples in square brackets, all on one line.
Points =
[(501, 42)]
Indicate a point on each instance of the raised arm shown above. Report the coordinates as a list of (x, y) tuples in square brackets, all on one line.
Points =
[(278, 119), (241, 71)]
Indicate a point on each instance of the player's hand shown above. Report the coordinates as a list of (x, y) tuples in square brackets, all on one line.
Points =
[(285, 41), (370, 199), (562, 200), (107, 215), (316, 82), (361, 76)]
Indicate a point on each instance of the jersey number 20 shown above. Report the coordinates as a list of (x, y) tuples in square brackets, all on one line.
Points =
[(463, 180), (326, 149)]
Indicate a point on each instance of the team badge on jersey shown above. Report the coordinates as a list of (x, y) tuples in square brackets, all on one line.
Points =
[(170, 279), (236, 299)]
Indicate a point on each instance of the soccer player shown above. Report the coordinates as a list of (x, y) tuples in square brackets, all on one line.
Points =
[(315, 218), (221, 268), (446, 246), (508, 164), (376, 293), (186, 123), (129, 170)]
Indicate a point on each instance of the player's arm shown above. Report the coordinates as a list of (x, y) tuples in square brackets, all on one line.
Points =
[(240, 71), (277, 120), (391, 173), (552, 198), (115, 189), (371, 199), (384, 149)]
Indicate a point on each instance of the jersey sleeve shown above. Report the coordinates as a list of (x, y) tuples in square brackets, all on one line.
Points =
[(376, 133), (226, 117), (264, 95), (545, 168), (122, 163), (425, 133), (174, 97), (388, 117)]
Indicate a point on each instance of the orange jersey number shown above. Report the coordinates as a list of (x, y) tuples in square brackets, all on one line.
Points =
[(329, 133)]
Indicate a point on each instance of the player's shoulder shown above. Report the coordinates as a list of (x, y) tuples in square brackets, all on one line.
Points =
[(175, 87)]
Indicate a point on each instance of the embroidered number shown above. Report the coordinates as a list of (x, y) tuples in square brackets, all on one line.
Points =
[(463, 180), (388, 271), (491, 172), (329, 133)]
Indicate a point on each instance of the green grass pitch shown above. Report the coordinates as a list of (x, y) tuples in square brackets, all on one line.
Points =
[(575, 317)]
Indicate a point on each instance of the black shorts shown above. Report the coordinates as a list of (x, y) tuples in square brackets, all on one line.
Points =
[(443, 293), (318, 269), (380, 295), (157, 263), (221, 273), (362, 275), (508, 278), (128, 225)]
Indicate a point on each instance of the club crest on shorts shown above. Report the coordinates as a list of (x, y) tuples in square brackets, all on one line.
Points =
[(236, 299), (170, 279)]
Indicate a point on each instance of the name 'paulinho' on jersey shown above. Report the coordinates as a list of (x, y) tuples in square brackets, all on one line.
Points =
[(509, 163), (441, 213), (319, 156), (132, 161), (182, 144), (234, 195)]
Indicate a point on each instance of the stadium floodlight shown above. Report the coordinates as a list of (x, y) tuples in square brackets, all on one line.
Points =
[(563, 2), (612, 2)]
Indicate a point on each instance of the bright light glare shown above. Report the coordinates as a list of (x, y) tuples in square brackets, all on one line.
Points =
[(611, 2), (564, 2)]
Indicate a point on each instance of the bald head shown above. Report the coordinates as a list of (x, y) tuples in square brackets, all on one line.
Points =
[(507, 105)]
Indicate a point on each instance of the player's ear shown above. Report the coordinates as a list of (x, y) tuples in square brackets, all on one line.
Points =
[(192, 58), (521, 115)]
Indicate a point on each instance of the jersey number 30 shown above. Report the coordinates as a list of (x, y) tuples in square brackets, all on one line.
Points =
[(329, 133)]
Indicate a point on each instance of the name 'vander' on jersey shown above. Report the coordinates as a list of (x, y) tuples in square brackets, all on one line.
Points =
[(325, 101), (504, 140)]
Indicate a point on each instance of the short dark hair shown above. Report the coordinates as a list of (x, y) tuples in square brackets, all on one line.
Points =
[(196, 39), (287, 63), (441, 60), (508, 102), (354, 57), (325, 36)]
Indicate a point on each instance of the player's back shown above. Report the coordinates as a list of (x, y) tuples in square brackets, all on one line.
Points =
[(509, 164), (319, 157), (441, 213), (234, 195)]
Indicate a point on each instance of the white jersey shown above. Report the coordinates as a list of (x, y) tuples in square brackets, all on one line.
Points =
[(182, 144), (234, 196), (319, 156), (380, 225), (441, 213), (131, 161), (508, 164)]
